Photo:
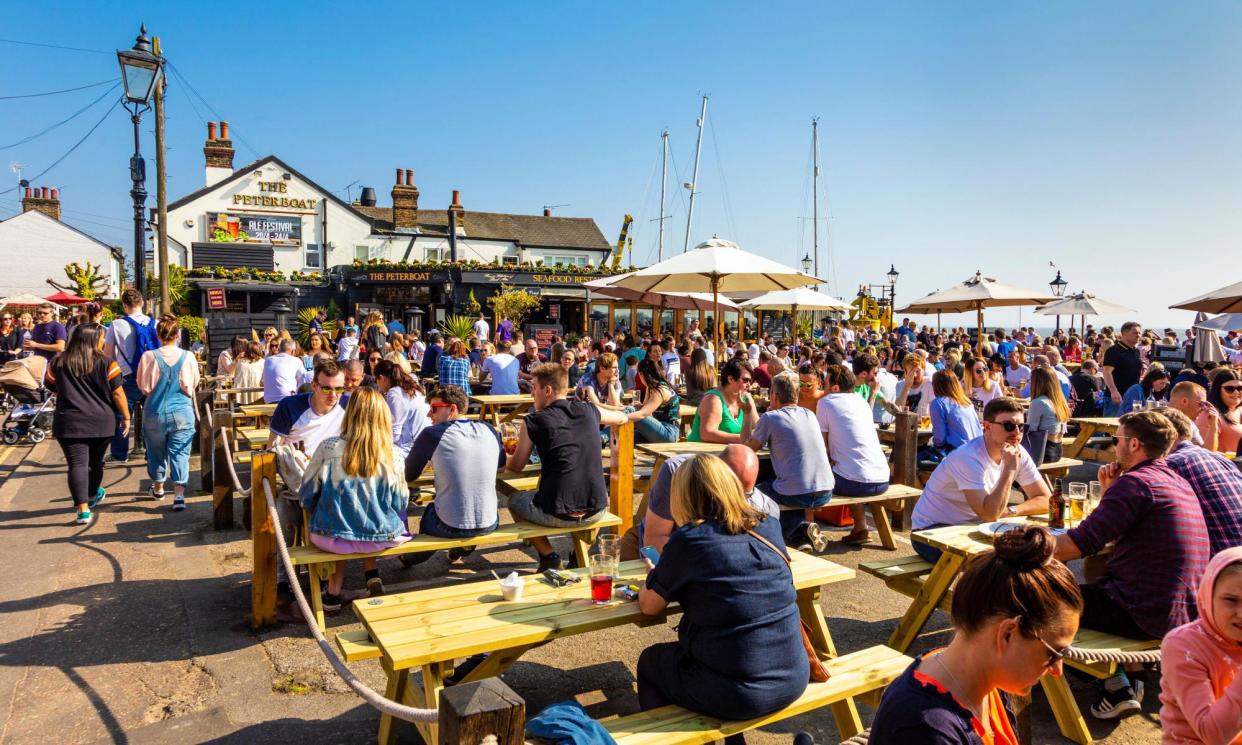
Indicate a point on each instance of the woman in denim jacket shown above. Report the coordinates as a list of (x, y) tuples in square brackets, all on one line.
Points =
[(355, 491)]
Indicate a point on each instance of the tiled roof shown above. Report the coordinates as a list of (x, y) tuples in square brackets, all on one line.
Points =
[(526, 230)]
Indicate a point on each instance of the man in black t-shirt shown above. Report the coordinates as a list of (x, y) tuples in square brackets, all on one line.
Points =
[(565, 433), (1086, 384), (1122, 367)]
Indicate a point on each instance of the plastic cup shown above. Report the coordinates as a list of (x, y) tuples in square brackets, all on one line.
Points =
[(603, 572), (511, 592)]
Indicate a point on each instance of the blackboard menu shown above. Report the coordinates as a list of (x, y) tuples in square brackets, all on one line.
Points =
[(543, 335)]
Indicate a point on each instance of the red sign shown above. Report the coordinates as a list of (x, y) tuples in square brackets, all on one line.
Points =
[(554, 311), (216, 299)]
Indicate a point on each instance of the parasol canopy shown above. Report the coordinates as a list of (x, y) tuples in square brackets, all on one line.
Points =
[(1225, 300), (605, 287), (27, 299), (800, 298), (1227, 322), (975, 294), (716, 266), (1083, 304), (66, 298)]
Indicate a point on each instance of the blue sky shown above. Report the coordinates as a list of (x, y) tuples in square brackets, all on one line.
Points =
[(1105, 137)]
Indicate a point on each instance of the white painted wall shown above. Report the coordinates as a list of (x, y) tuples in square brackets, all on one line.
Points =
[(35, 248)]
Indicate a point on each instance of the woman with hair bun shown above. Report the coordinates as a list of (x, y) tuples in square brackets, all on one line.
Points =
[(1015, 611)]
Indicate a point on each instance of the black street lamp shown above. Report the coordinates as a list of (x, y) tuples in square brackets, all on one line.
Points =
[(141, 70), (892, 275), (806, 264), (1058, 286)]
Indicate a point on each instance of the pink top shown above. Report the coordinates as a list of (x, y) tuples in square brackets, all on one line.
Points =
[(1230, 433), (149, 371), (1201, 692)]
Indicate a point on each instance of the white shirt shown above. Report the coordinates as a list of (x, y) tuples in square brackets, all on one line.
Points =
[(853, 443), (502, 368), (847, 335), (1017, 378), (346, 348), (887, 383), (753, 351), (481, 330), (672, 364), (282, 374), (924, 406), (416, 351), (120, 335), (969, 467)]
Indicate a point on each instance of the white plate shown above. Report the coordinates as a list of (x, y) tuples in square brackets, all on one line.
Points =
[(996, 528)]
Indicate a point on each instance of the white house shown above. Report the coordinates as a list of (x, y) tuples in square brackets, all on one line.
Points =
[(35, 246)]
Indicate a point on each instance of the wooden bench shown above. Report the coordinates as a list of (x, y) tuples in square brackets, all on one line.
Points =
[(893, 498), (583, 537), (854, 674)]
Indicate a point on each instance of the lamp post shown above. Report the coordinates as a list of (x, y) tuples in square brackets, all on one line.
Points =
[(141, 70), (1058, 286), (892, 275)]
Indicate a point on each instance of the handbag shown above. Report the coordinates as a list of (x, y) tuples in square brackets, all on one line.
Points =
[(819, 673)]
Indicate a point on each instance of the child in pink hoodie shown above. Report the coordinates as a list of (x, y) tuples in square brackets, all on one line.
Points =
[(1201, 691)]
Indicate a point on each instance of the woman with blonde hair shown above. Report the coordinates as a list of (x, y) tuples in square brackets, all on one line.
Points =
[(375, 333), (953, 417), (355, 492), (453, 366), (1049, 412), (982, 384), (397, 354), (739, 652)]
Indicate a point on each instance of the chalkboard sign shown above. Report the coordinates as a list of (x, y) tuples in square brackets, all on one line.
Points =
[(1171, 356), (543, 335), (776, 325)]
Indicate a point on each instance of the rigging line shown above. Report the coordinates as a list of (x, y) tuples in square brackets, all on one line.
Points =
[(724, 184), (55, 46), (75, 146), (72, 116), (806, 194), (54, 93), (177, 71), (190, 99), (639, 218)]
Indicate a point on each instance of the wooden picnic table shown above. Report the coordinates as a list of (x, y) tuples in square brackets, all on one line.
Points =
[(662, 451), (428, 629), (888, 436), (503, 408), (957, 544), (1087, 428)]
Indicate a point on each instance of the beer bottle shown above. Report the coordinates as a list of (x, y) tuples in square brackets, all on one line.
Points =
[(1056, 507)]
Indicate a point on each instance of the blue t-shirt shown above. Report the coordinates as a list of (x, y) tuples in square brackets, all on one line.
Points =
[(48, 333), (917, 711), (465, 456)]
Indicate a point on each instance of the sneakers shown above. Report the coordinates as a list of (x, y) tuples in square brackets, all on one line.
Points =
[(809, 537), (551, 561), (178, 504), (331, 603), (375, 586), (1117, 703), (83, 518), (415, 558), (100, 494), (457, 554), (156, 495)]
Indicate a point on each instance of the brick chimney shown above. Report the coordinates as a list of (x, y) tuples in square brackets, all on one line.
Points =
[(459, 211), (42, 200), (218, 152), (405, 201)]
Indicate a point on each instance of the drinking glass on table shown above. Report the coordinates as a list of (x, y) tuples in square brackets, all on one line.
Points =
[(603, 572), (1094, 492), (509, 436), (609, 545), (1077, 502)]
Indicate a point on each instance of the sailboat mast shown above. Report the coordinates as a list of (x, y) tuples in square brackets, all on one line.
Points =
[(815, 191), (663, 191), (694, 179)]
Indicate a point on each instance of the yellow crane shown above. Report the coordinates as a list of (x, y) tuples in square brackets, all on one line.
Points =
[(619, 251)]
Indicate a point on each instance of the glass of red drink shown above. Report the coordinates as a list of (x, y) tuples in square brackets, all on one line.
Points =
[(603, 571)]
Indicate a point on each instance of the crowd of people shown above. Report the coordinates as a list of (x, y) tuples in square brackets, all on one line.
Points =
[(360, 415)]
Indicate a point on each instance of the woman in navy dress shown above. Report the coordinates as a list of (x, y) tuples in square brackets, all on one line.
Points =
[(739, 652)]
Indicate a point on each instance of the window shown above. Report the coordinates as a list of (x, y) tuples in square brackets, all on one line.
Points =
[(360, 253), (314, 256), (580, 261), (438, 253), (509, 260)]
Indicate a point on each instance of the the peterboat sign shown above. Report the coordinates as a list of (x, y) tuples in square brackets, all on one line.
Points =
[(391, 276), (274, 194)]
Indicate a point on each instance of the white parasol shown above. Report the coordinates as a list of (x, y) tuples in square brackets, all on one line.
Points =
[(975, 294)]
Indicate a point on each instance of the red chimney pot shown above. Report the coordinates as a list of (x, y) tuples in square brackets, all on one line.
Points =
[(224, 130), (409, 177), (45, 192), (55, 194), (28, 192), (398, 177), (547, 212), (456, 198), (211, 131)]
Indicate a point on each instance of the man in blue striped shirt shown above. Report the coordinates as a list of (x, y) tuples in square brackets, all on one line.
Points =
[(1217, 483)]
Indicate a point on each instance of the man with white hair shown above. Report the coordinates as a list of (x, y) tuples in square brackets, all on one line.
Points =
[(283, 373)]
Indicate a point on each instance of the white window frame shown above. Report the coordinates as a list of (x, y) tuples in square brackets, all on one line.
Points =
[(564, 260), (362, 252), (315, 250)]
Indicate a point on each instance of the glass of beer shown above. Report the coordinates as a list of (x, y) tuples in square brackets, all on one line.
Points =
[(509, 436), (1077, 502), (603, 571), (924, 422)]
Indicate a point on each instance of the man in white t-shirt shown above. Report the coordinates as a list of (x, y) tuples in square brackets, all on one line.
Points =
[(283, 373), (481, 328), (972, 483), (121, 345), (859, 468), (1016, 373), (502, 368)]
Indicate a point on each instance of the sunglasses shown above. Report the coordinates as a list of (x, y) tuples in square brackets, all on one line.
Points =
[(1054, 655), (1231, 388), (337, 391), (1012, 426), (439, 405), (1118, 438), (980, 370)]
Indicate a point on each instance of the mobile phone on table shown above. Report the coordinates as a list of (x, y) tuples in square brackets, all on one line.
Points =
[(650, 554)]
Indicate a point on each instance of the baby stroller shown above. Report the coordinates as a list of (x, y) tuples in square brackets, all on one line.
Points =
[(32, 404)]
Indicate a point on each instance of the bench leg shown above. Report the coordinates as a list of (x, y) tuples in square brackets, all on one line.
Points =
[(582, 544), (845, 713), (397, 682), (1065, 709), (316, 598), (883, 526), (1084, 436), (817, 628), (433, 684), (497, 663), (933, 592)]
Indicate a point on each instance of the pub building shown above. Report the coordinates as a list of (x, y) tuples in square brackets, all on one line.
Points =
[(263, 240)]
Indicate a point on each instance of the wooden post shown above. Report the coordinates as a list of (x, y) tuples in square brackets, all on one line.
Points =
[(470, 713), (202, 400), (263, 537), (905, 459), (222, 489), (621, 476)]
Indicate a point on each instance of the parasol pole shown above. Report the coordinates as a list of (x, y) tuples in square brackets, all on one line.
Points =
[(715, 308), (979, 323)]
